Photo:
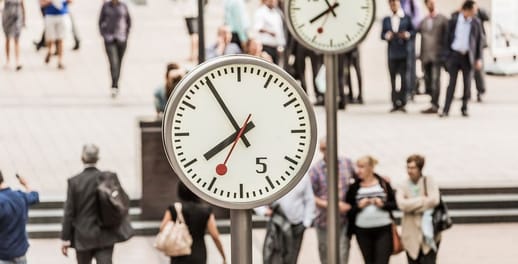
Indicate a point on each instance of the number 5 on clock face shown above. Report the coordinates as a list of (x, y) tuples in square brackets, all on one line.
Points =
[(239, 132)]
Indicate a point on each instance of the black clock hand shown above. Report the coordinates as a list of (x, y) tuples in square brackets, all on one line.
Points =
[(226, 142), (330, 9), (225, 109)]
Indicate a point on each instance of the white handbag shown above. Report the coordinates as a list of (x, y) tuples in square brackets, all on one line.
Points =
[(175, 240)]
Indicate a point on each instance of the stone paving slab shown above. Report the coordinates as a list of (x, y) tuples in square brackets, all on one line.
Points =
[(475, 244)]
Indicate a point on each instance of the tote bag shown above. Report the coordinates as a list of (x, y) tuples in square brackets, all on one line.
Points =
[(175, 240)]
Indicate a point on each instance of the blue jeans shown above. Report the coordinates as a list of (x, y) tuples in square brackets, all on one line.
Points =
[(18, 260)]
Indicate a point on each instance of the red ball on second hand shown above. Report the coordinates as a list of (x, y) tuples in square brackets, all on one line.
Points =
[(221, 169), (320, 30)]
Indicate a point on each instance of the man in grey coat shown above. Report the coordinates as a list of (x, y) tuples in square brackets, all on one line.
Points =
[(82, 229), (433, 29)]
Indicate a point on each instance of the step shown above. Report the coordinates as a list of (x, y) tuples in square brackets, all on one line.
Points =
[(479, 190), (59, 203), (49, 216), (482, 201)]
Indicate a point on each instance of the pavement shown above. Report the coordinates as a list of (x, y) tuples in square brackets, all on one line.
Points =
[(474, 244), (46, 116)]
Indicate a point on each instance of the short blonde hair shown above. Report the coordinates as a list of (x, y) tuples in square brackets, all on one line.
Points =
[(371, 161)]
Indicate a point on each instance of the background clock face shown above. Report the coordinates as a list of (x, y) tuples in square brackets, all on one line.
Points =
[(208, 110), (330, 26)]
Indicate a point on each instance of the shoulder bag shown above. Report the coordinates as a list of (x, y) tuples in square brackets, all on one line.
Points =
[(440, 216), (175, 240)]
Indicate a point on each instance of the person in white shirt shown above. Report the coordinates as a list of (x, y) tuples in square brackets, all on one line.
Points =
[(268, 24)]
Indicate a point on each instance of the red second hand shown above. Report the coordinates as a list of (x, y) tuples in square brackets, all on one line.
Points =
[(221, 169)]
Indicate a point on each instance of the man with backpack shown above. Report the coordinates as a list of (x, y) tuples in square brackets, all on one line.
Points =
[(96, 212)]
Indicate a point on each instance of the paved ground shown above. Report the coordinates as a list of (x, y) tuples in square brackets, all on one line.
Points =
[(474, 244)]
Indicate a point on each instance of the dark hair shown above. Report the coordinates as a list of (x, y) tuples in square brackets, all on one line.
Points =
[(418, 159), (1, 177), (170, 85), (468, 5), (185, 194)]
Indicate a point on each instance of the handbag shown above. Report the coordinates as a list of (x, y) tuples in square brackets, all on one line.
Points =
[(175, 240), (440, 217), (397, 245)]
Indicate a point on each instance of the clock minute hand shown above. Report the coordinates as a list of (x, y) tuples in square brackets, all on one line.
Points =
[(225, 109), (330, 9), (226, 142)]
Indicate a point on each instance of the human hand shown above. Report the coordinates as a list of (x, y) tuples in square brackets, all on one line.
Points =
[(364, 202), (343, 207), (268, 212), (478, 64), (377, 202), (404, 35), (22, 181), (64, 250), (389, 35)]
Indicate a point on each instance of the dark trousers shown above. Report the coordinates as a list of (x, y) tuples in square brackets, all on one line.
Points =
[(411, 74), (480, 81), (272, 51), (430, 258), (398, 67), (432, 81), (115, 51), (300, 66), (352, 59), (375, 244), (298, 235), (101, 255), (458, 62)]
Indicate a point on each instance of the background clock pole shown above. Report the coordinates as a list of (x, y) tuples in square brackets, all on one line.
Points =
[(241, 236), (333, 231)]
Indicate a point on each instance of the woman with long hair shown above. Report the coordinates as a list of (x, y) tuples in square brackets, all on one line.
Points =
[(13, 19), (372, 200), (173, 74), (199, 220)]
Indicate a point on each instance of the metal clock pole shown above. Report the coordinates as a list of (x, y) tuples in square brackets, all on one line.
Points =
[(333, 228), (241, 236)]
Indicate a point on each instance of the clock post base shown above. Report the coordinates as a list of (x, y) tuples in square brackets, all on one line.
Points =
[(241, 236)]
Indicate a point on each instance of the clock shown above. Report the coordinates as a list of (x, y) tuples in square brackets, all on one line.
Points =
[(239, 132), (330, 26)]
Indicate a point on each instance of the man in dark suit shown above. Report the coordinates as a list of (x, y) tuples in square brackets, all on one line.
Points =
[(81, 225), (463, 52), (397, 30), (480, 81)]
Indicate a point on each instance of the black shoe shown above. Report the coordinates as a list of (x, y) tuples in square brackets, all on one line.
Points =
[(465, 113), (76, 46), (393, 110), (359, 100), (479, 98), (402, 109), (319, 102), (37, 45), (431, 110), (341, 105), (443, 114)]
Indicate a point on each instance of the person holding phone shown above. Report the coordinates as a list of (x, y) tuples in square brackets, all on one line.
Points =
[(14, 208)]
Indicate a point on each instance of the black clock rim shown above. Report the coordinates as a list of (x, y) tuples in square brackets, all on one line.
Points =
[(175, 99), (303, 42)]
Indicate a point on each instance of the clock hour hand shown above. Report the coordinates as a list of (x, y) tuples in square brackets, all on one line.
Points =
[(330, 9), (226, 142), (225, 109)]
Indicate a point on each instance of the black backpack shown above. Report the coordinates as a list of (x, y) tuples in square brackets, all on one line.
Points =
[(112, 200)]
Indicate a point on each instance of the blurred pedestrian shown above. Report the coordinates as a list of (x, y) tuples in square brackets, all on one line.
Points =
[(254, 47), (223, 46), (289, 216), (417, 195), (190, 12), (56, 26), (82, 228), (268, 25), (372, 201), (174, 73), (13, 19), (352, 59), (115, 25), (199, 220), (42, 43), (480, 75), (14, 208), (412, 8), (236, 18), (397, 29), (433, 29), (463, 53), (301, 53), (318, 174)]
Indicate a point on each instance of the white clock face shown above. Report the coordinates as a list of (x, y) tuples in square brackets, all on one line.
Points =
[(330, 26), (239, 96)]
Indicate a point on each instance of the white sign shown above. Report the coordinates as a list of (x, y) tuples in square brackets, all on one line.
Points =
[(504, 28)]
